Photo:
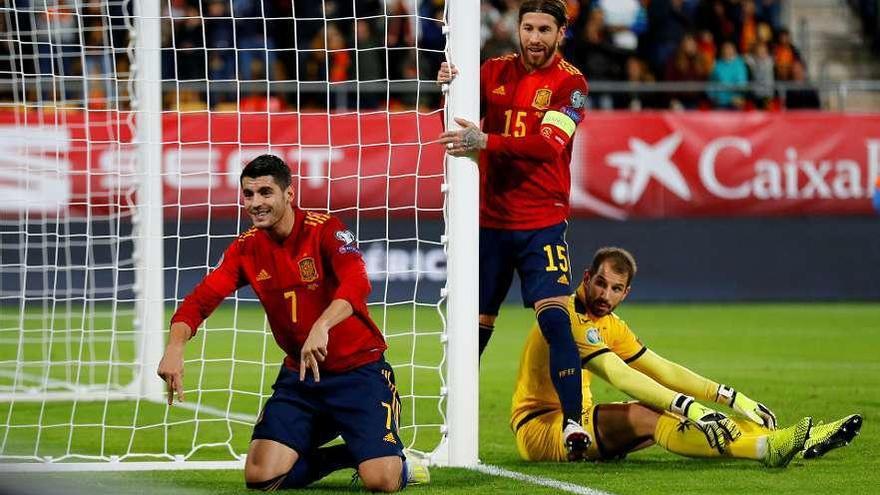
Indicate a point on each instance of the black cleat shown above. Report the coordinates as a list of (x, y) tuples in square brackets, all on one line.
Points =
[(827, 437)]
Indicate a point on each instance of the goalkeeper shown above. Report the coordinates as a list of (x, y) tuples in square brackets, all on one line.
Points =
[(667, 412)]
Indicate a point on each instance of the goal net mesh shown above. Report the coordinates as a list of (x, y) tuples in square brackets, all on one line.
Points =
[(343, 91)]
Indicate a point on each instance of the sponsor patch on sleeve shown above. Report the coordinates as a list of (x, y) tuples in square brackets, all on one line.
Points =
[(572, 114), (560, 121)]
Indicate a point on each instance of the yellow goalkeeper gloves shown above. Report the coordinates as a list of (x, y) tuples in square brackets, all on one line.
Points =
[(718, 428), (754, 411)]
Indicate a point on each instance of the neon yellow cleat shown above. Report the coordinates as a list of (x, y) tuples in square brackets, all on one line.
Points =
[(417, 468), (784, 444), (826, 437)]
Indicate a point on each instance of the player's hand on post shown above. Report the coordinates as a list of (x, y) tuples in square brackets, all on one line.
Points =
[(446, 73), (171, 371), (468, 140), (314, 351), (718, 428), (739, 402)]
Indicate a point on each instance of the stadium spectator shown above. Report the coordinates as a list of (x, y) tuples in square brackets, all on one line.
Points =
[(668, 24), (761, 72), (729, 70), (715, 16), (341, 62), (748, 26), (707, 47), (189, 45), (594, 54), (625, 19), (687, 64), (637, 72), (98, 65), (784, 55), (219, 35), (255, 48), (334, 352), (666, 412), (370, 64)]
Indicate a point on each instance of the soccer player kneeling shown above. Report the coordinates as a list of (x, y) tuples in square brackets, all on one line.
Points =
[(311, 280)]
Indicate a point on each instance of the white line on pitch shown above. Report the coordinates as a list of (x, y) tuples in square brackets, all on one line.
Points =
[(537, 480), (202, 408)]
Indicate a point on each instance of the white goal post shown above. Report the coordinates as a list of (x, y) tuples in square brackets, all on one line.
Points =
[(123, 126)]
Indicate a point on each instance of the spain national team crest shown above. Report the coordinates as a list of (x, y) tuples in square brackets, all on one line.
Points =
[(307, 270), (542, 99)]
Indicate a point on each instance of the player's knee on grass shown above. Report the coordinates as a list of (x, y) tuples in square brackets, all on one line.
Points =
[(382, 474), (267, 460)]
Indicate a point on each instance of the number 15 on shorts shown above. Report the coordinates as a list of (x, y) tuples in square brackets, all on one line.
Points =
[(556, 258)]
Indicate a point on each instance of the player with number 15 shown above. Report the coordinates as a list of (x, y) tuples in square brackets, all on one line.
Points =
[(531, 103)]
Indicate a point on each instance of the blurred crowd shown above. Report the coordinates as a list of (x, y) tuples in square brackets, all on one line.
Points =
[(339, 54), (725, 42)]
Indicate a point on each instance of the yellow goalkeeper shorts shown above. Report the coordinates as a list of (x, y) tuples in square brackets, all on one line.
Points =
[(540, 438)]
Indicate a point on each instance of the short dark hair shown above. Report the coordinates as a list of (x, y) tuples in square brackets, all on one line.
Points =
[(622, 262), (556, 8), (267, 165)]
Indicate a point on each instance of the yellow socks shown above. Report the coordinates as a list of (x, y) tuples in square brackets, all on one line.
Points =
[(687, 440)]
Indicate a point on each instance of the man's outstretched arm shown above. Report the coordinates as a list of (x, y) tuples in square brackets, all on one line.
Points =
[(676, 377)]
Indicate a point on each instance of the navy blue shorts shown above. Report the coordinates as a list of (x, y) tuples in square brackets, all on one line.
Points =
[(540, 257), (362, 405)]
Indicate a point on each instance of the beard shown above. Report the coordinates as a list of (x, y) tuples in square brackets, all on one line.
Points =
[(599, 307), (534, 60)]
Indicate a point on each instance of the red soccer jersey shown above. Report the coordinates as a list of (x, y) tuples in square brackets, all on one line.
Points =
[(530, 118), (295, 282)]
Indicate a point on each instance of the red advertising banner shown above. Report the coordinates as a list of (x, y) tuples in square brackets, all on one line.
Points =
[(624, 165), (725, 164), (372, 162)]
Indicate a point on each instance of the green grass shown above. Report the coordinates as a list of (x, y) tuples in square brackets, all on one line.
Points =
[(800, 359)]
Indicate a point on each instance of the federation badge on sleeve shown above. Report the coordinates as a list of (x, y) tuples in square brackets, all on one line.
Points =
[(345, 236), (542, 99), (307, 270), (578, 99), (593, 336)]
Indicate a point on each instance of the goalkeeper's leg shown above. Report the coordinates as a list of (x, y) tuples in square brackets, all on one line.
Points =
[(626, 427), (773, 448)]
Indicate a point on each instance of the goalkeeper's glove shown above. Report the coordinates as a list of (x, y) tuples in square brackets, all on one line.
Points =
[(754, 411), (718, 428)]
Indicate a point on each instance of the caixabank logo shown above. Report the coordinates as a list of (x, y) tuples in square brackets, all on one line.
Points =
[(689, 169)]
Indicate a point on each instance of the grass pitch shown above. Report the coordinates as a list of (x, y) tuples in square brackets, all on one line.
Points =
[(799, 359)]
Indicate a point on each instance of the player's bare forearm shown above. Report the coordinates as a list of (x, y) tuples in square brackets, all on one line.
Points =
[(314, 349), (171, 366)]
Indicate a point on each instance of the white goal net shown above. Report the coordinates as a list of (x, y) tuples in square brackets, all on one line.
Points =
[(123, 131)]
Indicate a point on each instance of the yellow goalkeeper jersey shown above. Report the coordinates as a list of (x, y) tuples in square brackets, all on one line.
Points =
[(535, 393)]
